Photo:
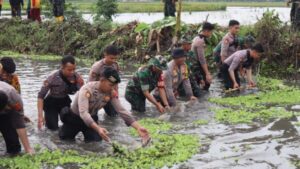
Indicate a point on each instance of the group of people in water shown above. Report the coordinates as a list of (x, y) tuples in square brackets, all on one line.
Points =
[(160, 82)]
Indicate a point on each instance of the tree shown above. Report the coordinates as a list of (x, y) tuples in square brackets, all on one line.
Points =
[(106, 9)]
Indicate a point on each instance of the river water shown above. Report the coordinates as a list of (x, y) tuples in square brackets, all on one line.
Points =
[(223, 146), (246, 16)]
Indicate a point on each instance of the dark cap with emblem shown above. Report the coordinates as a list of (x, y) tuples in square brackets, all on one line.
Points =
[(112, 75), (178, 53)]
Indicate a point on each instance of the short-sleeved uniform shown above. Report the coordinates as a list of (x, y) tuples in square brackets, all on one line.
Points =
[(198, 47), (173, 77), (229, 45), (143, 80), (233, 63), (11, 118), (96, 73), (88, 101), (194, 72), (13, 80), (55, 93)]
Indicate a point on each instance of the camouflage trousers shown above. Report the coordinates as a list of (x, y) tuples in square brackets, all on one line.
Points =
[(137, 101)]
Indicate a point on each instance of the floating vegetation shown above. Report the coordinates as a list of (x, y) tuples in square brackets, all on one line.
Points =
[(200, 122), (262, 106), (260, 100), (165, 150), (231, 116)]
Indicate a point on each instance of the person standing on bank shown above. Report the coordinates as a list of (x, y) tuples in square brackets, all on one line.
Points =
[(170, 8), (93, 96), (54, 94), (242, 59), (12, 124), (111, 53)]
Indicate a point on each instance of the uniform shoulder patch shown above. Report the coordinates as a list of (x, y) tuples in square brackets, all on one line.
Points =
[(87, 94)]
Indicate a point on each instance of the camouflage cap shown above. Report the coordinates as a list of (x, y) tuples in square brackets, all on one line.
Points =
[(158, 61)]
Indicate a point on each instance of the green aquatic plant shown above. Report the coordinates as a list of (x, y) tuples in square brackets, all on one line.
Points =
[(262, 99), (200, 122), (265, 83), (228, 115), (154, 126), (165, 150)]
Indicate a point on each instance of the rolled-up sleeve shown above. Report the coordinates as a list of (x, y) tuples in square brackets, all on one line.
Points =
[(83, 107), (125, 114), (169, 88)]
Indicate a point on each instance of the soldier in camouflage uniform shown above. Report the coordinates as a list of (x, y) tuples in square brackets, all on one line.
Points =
[(144, 81), (82, 116)]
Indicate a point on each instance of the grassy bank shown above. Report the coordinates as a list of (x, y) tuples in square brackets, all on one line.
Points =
[(131, 7)]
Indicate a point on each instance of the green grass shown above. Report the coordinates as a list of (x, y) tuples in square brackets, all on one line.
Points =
[(130, 7)]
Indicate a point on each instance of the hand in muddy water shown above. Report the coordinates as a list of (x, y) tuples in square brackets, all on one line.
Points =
[(30, 151), (236, 86), (160, 108), (193, 100), (144, 134), (251, 84), (41, 123), (104, 134)]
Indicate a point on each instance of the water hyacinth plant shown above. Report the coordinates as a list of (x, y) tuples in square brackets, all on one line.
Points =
[(165, 150)]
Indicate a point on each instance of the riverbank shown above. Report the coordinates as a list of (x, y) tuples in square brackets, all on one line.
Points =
[(140, 7), (86, 40)]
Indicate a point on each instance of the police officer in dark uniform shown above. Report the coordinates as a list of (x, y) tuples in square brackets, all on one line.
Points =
[(54, 94)]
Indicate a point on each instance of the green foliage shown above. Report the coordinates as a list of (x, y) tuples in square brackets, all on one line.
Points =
[(228, 115), (266, 84), (281, 46), (154, 126), (106, 9), (200, 122), (262, 106), (273, 92), (165, 150)]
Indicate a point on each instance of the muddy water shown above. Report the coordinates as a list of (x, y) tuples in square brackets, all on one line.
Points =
[(223, 146)]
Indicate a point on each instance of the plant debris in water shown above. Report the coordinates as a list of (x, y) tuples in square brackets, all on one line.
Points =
[(200, 122), (165, 150), (231, 116), (262, 106)]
